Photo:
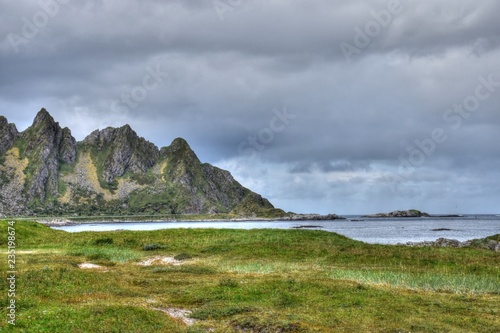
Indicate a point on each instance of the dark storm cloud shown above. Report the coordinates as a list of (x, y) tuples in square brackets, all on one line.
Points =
[(221, 74)]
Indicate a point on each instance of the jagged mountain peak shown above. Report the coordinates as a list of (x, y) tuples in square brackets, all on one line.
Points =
[(110, 134), (180, 143), (43, 117), (112, 171), (44, 130), (127, 129), (45, 145), (181, 151), (120, 149), (8, 134), (179, 146), (6, 126)]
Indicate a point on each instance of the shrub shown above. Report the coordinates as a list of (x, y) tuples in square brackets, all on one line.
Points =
[(103, 241), (182, 256), (152, 247), (230, 283)]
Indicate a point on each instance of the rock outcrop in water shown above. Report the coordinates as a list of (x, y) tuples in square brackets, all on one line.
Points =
[(399, 214), (44, 171)]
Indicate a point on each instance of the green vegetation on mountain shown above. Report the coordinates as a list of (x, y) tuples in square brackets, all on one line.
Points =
[(44, 171)]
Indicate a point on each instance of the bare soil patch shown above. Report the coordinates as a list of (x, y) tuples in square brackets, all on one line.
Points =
[(180, 314), (160, 260)]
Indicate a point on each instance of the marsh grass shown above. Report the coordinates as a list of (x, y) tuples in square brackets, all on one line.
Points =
[(113, 254), (247, 281), (152, 247), (442, 282), (264, 267)]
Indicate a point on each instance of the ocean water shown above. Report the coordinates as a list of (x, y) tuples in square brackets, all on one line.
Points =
[(376, 231)]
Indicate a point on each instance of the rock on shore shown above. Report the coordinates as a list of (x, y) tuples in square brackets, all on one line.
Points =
[(490, 243)]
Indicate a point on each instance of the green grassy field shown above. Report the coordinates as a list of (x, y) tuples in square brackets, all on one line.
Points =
[(244, 281)]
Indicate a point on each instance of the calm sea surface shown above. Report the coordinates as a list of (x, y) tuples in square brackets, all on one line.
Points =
[(382, 231)]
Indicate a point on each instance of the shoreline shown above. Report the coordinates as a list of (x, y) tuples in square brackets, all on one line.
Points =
[(57, 223), (490, 242), (68, 221)]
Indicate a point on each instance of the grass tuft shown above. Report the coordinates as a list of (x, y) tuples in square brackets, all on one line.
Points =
[(105, 253), (214, 312), (182, 256), (152, 247)]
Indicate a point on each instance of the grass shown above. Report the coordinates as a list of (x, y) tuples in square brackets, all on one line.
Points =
[(246, 281), (105, 253), (442, 282)]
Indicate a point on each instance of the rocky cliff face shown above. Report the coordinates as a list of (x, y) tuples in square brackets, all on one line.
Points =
[(8, 135), (205, 187), (44, 171), (46, 146), (122, 150)]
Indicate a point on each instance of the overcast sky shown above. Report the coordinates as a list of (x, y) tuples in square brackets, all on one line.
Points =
[(323, 106)]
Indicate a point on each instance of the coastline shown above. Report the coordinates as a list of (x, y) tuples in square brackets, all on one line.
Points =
[(489, 241), (68, 221)]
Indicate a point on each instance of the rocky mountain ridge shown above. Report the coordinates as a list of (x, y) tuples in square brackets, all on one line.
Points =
[(45, 171)]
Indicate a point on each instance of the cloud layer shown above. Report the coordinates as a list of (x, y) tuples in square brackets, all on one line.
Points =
[(330, 106)]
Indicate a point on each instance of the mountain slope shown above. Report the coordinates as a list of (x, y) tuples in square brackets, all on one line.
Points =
[(44, 171), (8, 135)]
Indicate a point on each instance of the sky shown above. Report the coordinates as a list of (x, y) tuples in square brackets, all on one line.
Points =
[(324, 106)]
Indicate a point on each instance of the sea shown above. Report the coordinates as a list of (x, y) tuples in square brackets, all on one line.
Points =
[(368, 230)]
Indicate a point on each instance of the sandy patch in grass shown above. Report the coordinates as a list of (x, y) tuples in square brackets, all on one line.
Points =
[(87, 265), (34, 251), (160, 260), (182, 315)]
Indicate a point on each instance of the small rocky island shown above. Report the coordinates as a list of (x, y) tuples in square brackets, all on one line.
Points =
[(399, 214)]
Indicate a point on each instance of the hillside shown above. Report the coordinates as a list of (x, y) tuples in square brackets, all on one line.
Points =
[(45, 171)]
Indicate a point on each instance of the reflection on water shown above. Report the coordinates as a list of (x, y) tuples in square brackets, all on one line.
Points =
[(382, 231)]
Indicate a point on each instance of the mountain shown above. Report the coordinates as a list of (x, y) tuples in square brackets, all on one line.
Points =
[(45, 171)]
